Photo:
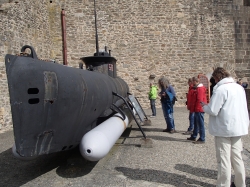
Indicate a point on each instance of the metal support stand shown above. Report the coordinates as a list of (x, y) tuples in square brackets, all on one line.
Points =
[(142, 110), (144, 135)]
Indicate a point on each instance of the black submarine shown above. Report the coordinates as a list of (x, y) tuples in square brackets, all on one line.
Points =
[(56, 108)]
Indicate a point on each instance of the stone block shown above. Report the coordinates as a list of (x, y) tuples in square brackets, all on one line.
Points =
[(147, 122), (4, 1), (2, 111), (146, 143)]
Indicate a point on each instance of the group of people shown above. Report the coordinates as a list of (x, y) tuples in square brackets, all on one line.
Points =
[(167, 95), (196, 94), (228, 121)]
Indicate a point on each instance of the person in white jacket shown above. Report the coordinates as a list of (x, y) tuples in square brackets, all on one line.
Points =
[(228, 121)]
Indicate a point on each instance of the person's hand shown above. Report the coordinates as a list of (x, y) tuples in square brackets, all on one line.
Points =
[(202, 103)]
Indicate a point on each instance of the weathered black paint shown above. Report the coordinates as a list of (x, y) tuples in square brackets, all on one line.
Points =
[(53, 105)]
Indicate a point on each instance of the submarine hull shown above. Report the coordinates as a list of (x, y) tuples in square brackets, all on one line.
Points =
[(54, 105)]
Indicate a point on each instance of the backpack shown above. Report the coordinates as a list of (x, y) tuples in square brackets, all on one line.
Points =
[(169, 98), (174, 99)]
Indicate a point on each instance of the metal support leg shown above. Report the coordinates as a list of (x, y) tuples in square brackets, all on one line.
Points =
[(144, 135)]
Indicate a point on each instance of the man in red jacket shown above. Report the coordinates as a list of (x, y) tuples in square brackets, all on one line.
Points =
[(198, 95)]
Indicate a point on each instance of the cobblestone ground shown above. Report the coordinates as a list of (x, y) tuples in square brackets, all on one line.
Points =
[(171, 161)]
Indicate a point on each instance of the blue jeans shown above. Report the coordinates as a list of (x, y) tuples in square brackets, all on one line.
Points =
[(169, 117), (152, 104), (199, 126), (191, 121)]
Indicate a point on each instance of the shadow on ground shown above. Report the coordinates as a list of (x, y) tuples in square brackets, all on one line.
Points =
[(154, 130), (177, 180), (200, 172), (158, 176), (15, 172), (167, 138)]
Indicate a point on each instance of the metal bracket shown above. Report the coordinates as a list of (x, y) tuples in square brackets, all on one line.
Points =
[(142, 110), (144, 135), (33, 53), (119, 111)]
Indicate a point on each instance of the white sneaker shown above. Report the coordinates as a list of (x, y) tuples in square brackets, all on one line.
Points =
[(152, 116)]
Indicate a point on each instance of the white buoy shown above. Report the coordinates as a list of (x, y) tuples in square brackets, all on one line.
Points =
[(98, 142)]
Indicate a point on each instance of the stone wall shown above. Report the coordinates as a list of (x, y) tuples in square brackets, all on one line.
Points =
[(173, 38), (177, 39), (25, 23)]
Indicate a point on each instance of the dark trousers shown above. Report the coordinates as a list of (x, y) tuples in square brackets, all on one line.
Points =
[(199, 127), (152, 104), (191, 121)]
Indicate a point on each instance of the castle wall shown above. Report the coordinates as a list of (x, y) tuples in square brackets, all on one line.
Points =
[(178, 39), (25, 23)]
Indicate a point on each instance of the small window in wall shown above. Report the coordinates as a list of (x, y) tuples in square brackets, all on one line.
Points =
[(246, 2)]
